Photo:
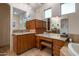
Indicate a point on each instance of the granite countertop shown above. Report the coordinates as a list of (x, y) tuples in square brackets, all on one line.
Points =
[(52, 36), (48, 35), (21, 33)]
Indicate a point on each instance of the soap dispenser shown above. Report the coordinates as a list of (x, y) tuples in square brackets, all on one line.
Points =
[(70, 39)]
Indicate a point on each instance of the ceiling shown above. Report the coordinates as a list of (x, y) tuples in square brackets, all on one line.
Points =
[(35, 5)]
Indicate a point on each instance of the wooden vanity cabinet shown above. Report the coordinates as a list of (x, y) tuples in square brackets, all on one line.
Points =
[(38, 38), (32, 24), (57, 45), (31, 41), (38, 25), (24, 42), (37, 41), (27, 25), (17, 44)]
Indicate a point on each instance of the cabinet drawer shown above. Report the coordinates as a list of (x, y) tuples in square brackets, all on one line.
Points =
[(46, 39), (58, 43)]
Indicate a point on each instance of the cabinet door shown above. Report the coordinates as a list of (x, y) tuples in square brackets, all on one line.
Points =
[(57, 44), (44, 24), (15, 43), (25, 42), (27, 25), (38, 24), (32, 24), (31, 41), (37, 42), (19, 44), (22, 43)]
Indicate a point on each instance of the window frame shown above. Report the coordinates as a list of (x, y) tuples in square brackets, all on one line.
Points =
[(67, 13), (45, 10)]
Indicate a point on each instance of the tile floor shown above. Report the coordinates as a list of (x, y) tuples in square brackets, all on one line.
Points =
[(32, 52), (4, 50), (37, 52)]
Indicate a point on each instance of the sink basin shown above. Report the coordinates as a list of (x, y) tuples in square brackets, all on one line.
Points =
[(73, 49)]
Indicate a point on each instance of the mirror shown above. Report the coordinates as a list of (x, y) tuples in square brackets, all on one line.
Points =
[(64, 26), (54, 25), (58, 25), (19, 19)]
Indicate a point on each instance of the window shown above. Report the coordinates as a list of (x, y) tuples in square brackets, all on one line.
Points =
[(67, 8), (48, 13)]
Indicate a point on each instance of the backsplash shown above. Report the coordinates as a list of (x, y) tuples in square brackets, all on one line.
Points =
[(16, 31), (32, 30), (75, 37)]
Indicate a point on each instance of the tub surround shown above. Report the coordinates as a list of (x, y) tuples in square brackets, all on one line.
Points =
[(75, 38)]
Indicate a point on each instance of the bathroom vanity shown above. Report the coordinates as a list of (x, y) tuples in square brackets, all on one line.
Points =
[(25, 41), (55, 40)]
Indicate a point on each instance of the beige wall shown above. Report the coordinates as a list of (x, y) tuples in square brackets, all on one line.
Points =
[(4, 24), (74, 23), (73, 20), (16, 19)]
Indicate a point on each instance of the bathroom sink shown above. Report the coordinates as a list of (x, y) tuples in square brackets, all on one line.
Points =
[(73, 49)]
